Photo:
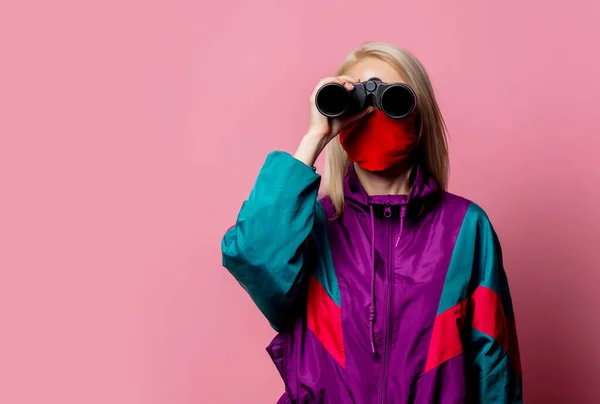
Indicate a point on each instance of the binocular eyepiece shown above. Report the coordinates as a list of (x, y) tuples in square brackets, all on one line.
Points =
[(396, 100)]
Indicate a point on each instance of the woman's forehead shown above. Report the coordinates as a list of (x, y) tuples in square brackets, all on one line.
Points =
[(373, 67)]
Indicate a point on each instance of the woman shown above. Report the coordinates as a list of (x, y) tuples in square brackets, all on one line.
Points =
[(388, 289)]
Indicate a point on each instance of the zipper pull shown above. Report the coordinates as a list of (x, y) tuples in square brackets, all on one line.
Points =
[(388, 211)]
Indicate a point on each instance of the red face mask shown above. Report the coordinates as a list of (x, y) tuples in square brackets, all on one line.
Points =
[(378, 142)]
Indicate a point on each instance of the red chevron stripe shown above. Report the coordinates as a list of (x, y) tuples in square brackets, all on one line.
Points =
[(324, 318), (445, 339), (488, 318), (488, 315)]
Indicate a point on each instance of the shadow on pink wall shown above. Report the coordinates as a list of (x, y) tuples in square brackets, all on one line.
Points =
[(555, 281)]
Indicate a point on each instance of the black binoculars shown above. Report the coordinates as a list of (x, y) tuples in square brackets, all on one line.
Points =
[(396, 100)]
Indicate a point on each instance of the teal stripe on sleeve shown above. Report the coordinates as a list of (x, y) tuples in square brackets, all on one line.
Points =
[(265, 250), (456, 285), (324, 269), (496, 380), (476, 261)]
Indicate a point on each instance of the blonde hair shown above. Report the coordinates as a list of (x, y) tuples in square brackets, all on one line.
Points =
[(431, 129)]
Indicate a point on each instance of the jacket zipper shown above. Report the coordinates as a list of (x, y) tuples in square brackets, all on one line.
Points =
[(388, 328)]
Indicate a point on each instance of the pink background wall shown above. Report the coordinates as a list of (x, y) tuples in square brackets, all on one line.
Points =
[(131, 131)]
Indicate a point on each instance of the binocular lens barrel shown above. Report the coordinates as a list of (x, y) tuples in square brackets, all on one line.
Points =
[(332, 100), (395, 100)]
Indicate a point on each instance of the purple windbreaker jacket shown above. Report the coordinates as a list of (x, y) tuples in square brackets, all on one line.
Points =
[(403, 299)]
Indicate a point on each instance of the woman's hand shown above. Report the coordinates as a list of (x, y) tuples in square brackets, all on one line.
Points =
[(322, 129)]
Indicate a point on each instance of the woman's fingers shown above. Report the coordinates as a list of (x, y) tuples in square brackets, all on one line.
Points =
[(346, 81)]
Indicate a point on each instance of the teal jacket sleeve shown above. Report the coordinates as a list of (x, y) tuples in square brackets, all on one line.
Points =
[(266, 248), (493, 346)]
